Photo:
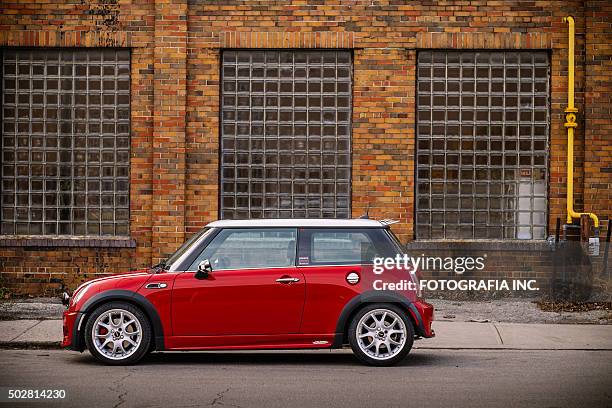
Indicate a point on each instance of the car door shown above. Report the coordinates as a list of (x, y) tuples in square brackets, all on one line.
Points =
[(327, 257), (254, 288)]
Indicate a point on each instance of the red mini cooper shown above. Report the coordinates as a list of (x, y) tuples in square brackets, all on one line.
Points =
[(255, 284)]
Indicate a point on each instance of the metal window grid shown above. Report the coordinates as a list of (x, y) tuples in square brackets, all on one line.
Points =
[(65, 142), (482, 144), (286, 134)]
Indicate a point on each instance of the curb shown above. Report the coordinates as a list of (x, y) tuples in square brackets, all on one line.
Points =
[(24, 345), (56, 345), (514, 348)]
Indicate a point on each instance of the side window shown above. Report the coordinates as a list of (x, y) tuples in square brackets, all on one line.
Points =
[(343, 246), (250, 248)]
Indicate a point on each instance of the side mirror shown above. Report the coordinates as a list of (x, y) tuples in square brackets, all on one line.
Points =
[(204, 269)]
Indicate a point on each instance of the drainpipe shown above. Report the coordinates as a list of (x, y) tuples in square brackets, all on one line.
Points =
[(570, 124)]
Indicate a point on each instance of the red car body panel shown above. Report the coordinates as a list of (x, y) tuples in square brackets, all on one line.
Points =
[(327, 293), (130, 282), (161, 299), (238, 302)]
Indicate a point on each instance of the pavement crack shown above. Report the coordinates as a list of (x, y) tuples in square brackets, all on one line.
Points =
[(117, 386), (26, 330), (218, 400), (499, 337)]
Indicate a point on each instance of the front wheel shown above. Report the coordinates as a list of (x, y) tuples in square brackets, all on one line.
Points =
[(381, 335), (118, 333)]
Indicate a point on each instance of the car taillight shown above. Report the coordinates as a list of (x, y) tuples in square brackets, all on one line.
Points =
[(416, 277)]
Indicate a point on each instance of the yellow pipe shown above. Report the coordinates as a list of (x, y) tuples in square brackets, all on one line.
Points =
[(570, 124)]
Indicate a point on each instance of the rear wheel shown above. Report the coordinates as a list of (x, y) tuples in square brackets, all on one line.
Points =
[(381, 334), (118, 333)]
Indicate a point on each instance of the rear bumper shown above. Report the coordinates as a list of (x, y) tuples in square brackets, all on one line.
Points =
[(423, 313)]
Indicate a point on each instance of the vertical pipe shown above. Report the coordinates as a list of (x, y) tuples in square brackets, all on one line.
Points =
[(606, 251), (570, 64), (555, 261), (570, 124), (570, 173), (570, 119)]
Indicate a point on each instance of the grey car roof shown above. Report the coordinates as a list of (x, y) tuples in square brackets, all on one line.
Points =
[(298, 223)]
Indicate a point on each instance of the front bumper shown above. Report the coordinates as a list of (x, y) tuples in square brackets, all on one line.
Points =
[(70, 327)]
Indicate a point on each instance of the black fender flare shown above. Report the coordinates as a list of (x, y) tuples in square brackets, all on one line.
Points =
[(374, 296), (111, 295)]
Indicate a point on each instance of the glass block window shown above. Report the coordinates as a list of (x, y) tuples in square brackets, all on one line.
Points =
[(286, 134), (65, 141), (482, 144)]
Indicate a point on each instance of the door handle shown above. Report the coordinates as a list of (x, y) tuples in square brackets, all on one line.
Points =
[(156, 285), (287, 280)]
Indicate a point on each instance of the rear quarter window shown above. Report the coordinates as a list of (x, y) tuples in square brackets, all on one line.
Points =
[(348, 246)]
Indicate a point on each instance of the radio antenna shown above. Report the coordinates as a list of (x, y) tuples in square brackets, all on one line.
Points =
[(366, 216)]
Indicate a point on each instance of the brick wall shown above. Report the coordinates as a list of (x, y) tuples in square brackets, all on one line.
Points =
[(45, 271), (517, 261), (176, 45), (383, 135), (169, 121)]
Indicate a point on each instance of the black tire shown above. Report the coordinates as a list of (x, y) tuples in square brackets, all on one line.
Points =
[(397, 356), (140, 351)]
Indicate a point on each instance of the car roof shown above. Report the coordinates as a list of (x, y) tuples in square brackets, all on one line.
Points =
[(299, 223)]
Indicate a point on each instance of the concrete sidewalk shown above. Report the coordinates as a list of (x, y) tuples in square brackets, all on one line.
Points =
[(449, 335), (519, 336), (30, 333)]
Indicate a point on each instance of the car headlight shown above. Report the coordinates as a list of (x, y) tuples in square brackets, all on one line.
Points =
[(65, 297)]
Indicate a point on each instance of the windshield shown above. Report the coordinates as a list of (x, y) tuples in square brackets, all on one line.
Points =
[(167, 264)]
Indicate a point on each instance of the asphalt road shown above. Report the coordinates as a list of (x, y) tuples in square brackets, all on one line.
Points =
[(432, 378)]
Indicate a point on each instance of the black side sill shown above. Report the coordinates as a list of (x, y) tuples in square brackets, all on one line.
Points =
[(66, 241)]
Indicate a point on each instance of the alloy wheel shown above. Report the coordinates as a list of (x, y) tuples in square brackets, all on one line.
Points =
[(381, 334), (116, 334)]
